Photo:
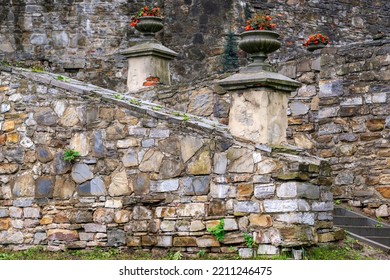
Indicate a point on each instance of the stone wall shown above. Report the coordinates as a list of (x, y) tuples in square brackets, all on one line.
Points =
[(342, 114), (146, 178), (84, 38)]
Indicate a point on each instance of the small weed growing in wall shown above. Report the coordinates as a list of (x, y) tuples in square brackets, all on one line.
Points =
[(135, 102), (249, 242), (37, 69), (175, 256), (157, 108), (62, 78), (70, 155), (218, 232), (184, 116), (119, 97)]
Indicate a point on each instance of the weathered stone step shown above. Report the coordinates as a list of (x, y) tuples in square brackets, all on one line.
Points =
[(369, 231), (363, 228), (351, 221), (380, 239)]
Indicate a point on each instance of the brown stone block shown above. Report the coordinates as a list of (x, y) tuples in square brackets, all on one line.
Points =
[(384, 191), (327, 153), (326, 237), (295, 120), (323, 224), (4, 224), (384, 153), (372, 181), (370, 136), (60, 219), (262, 221), (62, 235), (297, 233), (216, 208), (166, 212), (375, 125), (348, 111), (8, 126), (12, 138), (207, 241), (324, 139), (148, 240), (212, 224), (133, 241), (339, 234), (46, 220), (184, 242), (384, 179), (8, 168), (4, 88), (244, 191), (305, 127), (3, 139), (233, 238)]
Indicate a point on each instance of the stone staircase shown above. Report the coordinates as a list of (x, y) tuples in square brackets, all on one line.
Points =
[(363, 228)]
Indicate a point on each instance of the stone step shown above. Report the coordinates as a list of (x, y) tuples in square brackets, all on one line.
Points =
[(351, 221), (368, 231), (380, 239), (363, 228)]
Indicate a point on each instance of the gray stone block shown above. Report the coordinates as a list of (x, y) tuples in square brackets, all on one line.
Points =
[(199, 185), (164, 186), (322, 206), (116, 238), (275, 206), (246, 207), (264, 191)]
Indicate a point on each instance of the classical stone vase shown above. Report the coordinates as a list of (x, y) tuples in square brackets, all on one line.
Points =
[(313, 47), (259, 43), (149, 25)]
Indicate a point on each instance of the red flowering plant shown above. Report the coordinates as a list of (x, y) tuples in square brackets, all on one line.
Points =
[(260, 22), (316, 39), (146, 11)]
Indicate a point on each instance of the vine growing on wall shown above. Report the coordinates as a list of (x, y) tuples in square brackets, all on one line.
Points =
[(230, 57)]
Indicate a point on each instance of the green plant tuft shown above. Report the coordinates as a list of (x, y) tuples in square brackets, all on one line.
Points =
[(70, 155), (218, 232), (62, 78), (249, 240), (37, 69)]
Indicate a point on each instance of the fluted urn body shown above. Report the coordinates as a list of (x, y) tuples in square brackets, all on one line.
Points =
[(149, 25), (259, 43)]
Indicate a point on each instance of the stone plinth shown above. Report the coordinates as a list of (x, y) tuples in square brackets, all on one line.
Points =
[(259, 105), (148, 65)]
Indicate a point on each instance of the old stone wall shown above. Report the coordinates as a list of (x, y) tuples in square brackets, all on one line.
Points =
[(342, 114), (84, 38), (146, 178)]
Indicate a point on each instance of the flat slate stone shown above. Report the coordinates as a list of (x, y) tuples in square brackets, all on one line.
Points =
[(44, 155), (95, 187), (81, 173), (44, 187), (199, 185)]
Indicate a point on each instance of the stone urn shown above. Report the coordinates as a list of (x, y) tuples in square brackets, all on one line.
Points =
[(259, 43), (149, 25), (313, 47)]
